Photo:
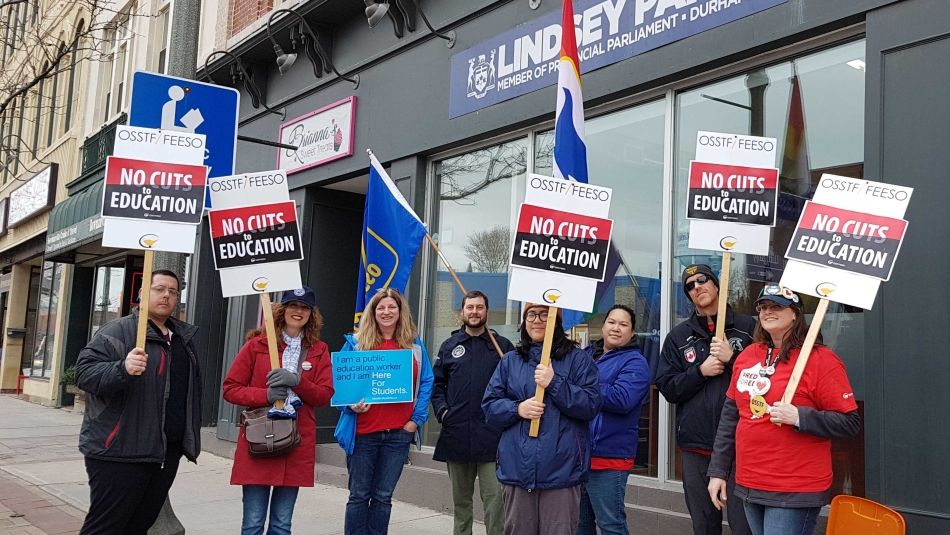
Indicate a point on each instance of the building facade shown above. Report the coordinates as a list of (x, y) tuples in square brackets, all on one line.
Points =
[(850, 88)]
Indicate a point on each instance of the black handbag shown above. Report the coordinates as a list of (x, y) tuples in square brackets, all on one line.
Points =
[(269, 437)]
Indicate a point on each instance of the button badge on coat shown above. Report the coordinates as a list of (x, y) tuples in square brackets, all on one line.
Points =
[(306, 366)]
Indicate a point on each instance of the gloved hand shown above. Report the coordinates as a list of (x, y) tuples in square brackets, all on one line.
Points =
[(282, 377), (276, 392)]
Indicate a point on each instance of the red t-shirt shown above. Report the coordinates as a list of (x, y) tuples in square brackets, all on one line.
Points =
[(781, 459), (603, 463), (386, 416)]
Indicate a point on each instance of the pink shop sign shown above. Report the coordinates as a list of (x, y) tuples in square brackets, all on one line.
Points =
[(320, 136)]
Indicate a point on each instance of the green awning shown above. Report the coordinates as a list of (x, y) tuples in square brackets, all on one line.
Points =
[(75, 221)]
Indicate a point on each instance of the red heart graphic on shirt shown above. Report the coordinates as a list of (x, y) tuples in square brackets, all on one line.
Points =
[(760, 385)]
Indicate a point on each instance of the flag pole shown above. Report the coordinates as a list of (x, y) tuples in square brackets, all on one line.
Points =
[(458, 282)]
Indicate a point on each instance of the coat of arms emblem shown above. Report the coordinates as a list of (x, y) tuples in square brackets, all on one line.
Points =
[(481, 75)]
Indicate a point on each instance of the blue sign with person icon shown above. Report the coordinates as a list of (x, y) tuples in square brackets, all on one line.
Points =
[(170, 103)]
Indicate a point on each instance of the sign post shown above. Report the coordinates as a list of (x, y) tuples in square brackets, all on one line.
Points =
[(560, 252), (256, 247), (846, 242), (152, 198), (732, 201)]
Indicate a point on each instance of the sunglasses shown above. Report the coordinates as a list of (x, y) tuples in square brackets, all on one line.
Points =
[(702, 279)]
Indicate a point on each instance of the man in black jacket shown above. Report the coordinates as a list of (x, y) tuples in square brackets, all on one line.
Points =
[(142, 412), (693, 372), (462, 371)]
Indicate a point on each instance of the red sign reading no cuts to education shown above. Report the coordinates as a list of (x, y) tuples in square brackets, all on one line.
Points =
[(254, 235), (154, 191), (561, 242), (732, 193), (858, 242)]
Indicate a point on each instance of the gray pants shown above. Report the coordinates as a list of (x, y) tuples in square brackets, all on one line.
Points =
[(707, 520), (542, 512)]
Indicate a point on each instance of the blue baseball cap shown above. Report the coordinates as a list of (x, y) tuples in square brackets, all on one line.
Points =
[(303, 295)]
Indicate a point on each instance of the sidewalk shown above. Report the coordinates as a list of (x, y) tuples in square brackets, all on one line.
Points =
[(43, 486)]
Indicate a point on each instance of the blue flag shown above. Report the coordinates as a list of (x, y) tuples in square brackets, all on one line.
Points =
[(392, 233)]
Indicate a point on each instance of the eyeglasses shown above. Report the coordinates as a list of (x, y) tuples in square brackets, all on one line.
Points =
[(768, 307), (161, 290), (536, 316), (702, 279)]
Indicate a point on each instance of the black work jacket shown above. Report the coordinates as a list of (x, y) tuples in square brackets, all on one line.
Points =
[(698, 399), (125, 414), (462, 370)]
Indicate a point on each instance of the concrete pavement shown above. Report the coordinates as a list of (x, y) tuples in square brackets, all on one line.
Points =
[(43, 486)]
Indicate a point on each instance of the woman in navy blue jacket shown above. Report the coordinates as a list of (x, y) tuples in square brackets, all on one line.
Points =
[(542, 476), (624, 381)]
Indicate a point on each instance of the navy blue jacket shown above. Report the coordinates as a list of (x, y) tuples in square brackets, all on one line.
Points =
[(698, 399), (560, 456), (624, 383), (462, 370)]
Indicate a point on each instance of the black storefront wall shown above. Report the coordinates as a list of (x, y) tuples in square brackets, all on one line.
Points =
[(906, 134), (403, 112)]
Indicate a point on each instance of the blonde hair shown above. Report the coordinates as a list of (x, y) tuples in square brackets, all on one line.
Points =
[(369, 336)]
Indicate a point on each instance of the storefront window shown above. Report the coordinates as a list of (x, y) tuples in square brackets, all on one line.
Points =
[(625, 153), (821, 95), (479, 196), (32, 300), (44, 331), (107, 301)]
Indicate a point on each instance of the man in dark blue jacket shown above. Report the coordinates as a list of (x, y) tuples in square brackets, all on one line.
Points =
[(693, 372), (142, 412), (462, 370)]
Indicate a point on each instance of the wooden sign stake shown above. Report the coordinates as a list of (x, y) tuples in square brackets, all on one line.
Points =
[(546, 360), (268, 313), (144, 295), (806, 351), (723, 295)]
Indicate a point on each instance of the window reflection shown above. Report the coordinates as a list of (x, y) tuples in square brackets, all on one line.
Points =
[(479, 196), (814, 107), (107, 301), (625, 153)]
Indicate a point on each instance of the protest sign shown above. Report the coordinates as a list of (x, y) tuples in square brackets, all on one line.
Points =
[(732, 193), (383, 376), (562, 242), (256, 247), (732, 199), (133, 219), (567, 272), (154, 191), (845, 244), (254, 235), (847, 240)]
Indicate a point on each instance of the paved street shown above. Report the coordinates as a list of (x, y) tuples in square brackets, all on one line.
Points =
[(43, 485)]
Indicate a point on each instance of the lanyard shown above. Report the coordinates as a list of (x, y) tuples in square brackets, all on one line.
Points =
[(769, 366)]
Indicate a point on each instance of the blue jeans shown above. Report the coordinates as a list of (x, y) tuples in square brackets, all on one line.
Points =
[(374, 467), (256, 498), (602, 503), (765, 520)]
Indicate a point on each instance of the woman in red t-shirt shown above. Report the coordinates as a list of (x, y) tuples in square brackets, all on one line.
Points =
[(383, 432), (783, 471)]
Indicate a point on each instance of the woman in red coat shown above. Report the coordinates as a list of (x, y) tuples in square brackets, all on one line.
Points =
[(303, 380)]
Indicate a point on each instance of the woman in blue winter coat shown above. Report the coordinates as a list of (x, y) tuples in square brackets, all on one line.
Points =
[(542, 476), (624, 382)]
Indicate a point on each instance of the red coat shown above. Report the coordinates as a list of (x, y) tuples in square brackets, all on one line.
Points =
[(246, 386)]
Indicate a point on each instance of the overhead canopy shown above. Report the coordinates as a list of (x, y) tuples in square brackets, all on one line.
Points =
[(75, 222)]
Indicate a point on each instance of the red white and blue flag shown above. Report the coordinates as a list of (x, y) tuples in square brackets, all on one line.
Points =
[(570, 151)]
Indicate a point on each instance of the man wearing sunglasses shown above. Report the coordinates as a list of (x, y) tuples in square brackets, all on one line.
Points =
[(693, 372)]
